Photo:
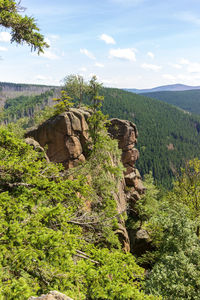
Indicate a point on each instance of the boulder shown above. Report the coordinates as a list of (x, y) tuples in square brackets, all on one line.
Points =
[(53, 295), (65, 137)]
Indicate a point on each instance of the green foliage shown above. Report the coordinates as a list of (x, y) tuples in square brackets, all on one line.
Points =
[(103, 170), (76, 87), (93, 91), (96, 123), (176, 272), (187, 190), (42, 231), (23, 28), (63, 103), (97, 119), (148, 204)]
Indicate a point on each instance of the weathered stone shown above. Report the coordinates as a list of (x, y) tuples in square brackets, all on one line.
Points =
[(65, 136), (53, 295), (124, 131), (74, 147), (130, 179), (130, 156)]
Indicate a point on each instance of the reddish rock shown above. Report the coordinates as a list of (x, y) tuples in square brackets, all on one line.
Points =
[(64, 136)]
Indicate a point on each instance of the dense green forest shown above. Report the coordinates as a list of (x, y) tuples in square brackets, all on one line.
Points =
[(167, 136), (187, 100)]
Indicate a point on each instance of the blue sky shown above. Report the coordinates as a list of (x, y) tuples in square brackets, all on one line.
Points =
[(126, 43)]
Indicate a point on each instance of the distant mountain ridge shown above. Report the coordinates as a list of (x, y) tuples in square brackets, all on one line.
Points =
[(172, 87)]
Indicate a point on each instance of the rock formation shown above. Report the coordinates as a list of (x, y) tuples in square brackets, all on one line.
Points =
[(126, 134), (65, 136), (54, 295)]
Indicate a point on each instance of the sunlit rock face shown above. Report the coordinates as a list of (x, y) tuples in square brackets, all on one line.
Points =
[(64, 136)]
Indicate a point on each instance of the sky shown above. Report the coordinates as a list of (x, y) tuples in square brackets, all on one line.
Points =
[(125, 43)]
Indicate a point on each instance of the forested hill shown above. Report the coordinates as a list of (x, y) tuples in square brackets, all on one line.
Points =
[(167, 135), (187, 100), (11, 90)]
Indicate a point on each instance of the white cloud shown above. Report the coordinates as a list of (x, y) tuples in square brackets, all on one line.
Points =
[(49, 54), (88, 53), (107, 39), (192, 67), (151, 67), (175, 66), (99, 65), (151, 55), (126, 53), (3, 49), (5, 36)]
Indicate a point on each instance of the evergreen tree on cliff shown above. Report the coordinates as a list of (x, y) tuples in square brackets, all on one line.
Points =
[(23, 28)]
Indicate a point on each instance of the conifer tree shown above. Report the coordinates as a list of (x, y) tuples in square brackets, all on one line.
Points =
[(23, 28)]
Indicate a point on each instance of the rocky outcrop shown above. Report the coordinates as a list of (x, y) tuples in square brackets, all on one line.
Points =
[(53, 295), (65, 137), (126, 134)]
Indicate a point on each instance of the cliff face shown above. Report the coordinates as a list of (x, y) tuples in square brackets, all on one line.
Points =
[(65, 137)]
